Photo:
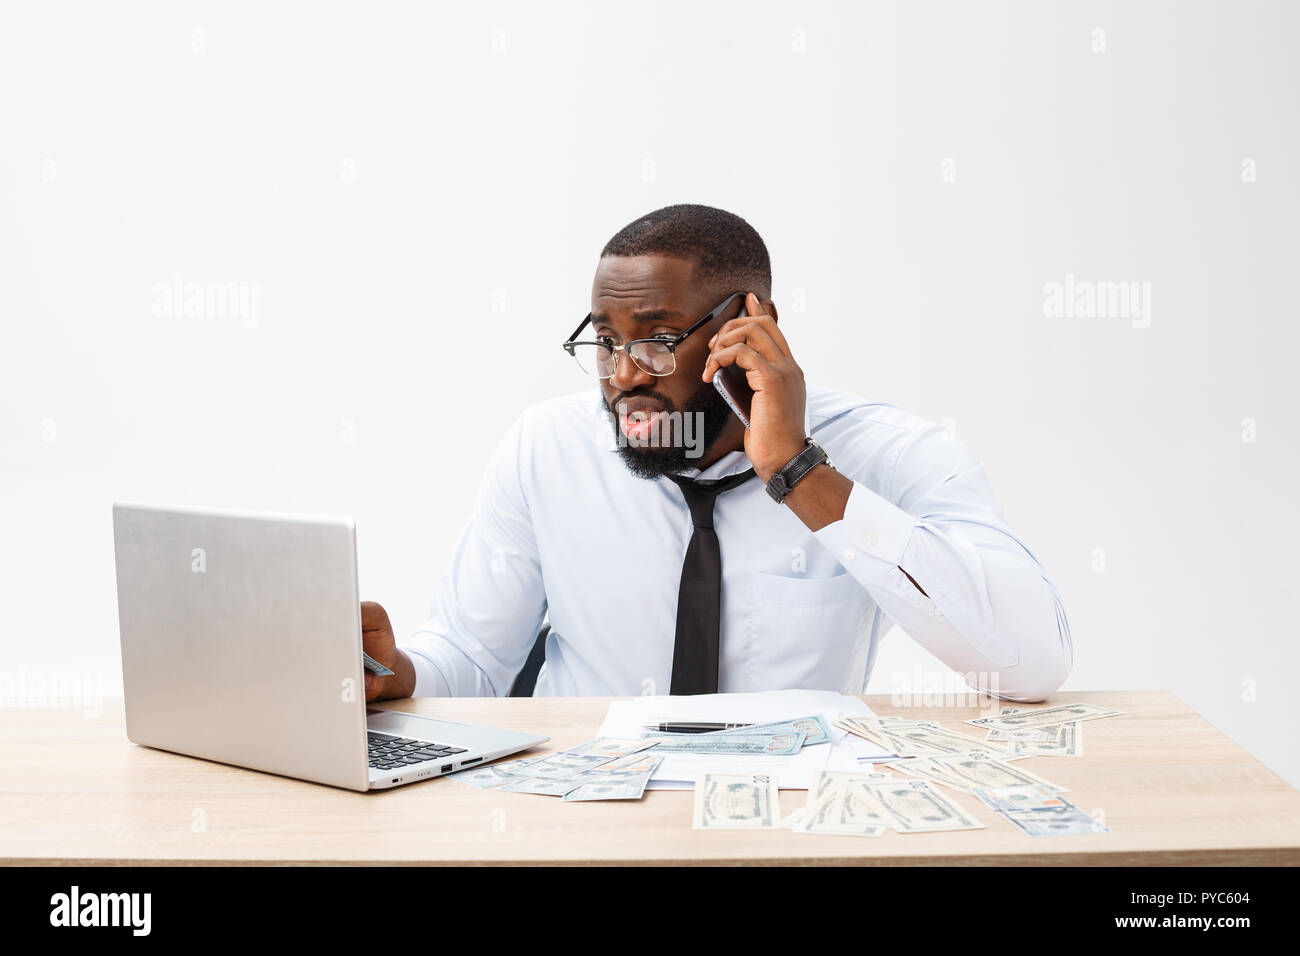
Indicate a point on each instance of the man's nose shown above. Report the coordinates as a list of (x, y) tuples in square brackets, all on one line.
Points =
[(628, 375)]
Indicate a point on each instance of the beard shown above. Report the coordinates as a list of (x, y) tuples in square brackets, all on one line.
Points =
[(707, 410)]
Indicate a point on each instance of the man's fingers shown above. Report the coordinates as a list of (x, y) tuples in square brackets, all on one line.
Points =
[(755, 335), (764, 322), (739, 354)]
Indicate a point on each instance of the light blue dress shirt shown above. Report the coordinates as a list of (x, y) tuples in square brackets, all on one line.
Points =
[(561, 529)]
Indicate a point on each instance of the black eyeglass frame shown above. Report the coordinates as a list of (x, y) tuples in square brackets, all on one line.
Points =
[(670, 344)]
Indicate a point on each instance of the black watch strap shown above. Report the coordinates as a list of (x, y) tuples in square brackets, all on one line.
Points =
[(796, 468)]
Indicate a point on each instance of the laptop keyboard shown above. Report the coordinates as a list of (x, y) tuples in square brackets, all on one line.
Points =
[(388, 752)]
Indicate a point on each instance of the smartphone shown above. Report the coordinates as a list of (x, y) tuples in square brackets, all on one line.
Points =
[(734, 389)]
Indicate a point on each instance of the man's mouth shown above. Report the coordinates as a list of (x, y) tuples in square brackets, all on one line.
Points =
[(639, 423)]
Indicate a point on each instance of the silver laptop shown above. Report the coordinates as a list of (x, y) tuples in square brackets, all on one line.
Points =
[(241, 642)]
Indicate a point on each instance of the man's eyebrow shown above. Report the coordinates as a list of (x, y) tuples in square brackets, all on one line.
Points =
[(645, 315)]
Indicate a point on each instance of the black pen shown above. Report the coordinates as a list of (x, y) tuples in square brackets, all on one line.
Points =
[(692, 727)]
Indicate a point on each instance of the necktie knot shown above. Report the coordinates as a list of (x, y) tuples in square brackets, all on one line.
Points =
[(700, 495)]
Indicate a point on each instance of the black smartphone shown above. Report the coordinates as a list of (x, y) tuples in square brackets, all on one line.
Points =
[(734, 389)]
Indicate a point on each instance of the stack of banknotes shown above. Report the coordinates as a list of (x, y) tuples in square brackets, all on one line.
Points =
[(842, 803), (612, 768), (608, 768), (865, 803), (983, 768), (1046, 732)]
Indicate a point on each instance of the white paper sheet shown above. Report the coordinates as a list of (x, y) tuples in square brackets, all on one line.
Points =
[(626, 718)]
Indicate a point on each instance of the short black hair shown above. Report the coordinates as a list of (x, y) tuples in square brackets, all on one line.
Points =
[(728, 253)]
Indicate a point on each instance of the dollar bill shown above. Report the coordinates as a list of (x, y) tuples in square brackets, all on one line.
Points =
[(617, 786), (1047, 735), (562, 765), (770, 744), (372, 665), (1040, 735), (548, 786), (1004, 799), (815, 727), (1043, 822), (492, 775), (611, 747), (725, 801), (916, 806), (1044, 716), (1068, 743), (966, 771)]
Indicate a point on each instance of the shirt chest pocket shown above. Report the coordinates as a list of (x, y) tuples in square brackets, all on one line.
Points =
[(806, 632)]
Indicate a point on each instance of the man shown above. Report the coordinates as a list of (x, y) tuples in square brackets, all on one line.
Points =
[(642, 517)]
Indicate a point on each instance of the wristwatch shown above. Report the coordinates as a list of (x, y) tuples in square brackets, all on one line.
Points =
[(784, 480)]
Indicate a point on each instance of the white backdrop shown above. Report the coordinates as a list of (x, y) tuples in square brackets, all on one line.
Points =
[(407, 202)]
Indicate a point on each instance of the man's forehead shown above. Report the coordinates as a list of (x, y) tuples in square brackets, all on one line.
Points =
[(643, 286)]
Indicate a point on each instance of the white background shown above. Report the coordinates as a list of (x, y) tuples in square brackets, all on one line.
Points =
[(419, 192)]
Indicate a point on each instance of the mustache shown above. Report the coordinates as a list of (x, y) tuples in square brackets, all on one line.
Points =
[(668, 404)]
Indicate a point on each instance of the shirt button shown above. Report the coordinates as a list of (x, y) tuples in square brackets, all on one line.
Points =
[(938, 613), (869, 539), (849, 554)]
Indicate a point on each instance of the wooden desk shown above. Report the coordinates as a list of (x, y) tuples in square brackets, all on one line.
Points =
[(74, 790)]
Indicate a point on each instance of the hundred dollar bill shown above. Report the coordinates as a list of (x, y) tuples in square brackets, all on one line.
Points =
[(725, 801), (816, 728), (563, 764), (1066, 821), (612, 787), (611, 747), (1044, 716), (1003, 799), (372, 665), (915, 806), (769, 744), (493, 775), (549, 786), (966, 771)]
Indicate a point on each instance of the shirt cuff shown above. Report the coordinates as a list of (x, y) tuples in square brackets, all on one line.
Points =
[(428, 681), (872, 528)]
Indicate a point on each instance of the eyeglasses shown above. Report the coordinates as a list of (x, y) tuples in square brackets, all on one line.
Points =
[(654, 356)]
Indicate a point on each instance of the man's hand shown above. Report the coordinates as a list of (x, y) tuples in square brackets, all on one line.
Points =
[(378, 641), (753, 342), (776, 432)]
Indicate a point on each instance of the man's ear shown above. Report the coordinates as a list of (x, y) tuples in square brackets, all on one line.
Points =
[(770, 308)]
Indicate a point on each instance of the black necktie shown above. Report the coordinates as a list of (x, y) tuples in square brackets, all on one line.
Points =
[(699, 597)]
